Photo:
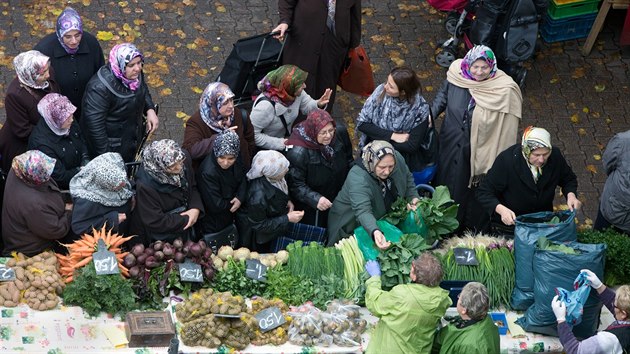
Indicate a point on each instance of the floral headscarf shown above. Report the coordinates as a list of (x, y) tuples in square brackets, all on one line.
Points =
[(119, 57), (475, 53), (282, 84), (212, 98), (534, 138), (158, 156), (33, 167), (67, 21), (273, 166), (29, 66), (226, 143), (305, 133), (374, 152), (103, 180), (56, 110)]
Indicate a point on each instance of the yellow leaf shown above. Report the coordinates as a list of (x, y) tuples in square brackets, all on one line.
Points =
[(191, 46), (139, 22), (196, 90), (86, 2), (608, 120), (123, 3), (104, 36), (585, 110), (597, 157), (575, 118), (189, 2), (166, 92), (600, 88), (581, 131), (160, 6), (216, 49), (554, 80), (578, 73), (591, 168), (180, 115), (127, 27), (220, 8), (428, 88)]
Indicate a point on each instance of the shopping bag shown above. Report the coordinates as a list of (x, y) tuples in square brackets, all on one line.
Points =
[(367, 245), (575, 300), (414, 224), (356, 76)]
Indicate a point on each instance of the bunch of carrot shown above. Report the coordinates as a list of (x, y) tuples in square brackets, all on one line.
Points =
[(80, 252)]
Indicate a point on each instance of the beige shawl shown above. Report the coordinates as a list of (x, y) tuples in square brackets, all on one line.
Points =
[(495, 118)]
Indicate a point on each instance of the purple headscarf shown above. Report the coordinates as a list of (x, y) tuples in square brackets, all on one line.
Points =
[(119, 57), (475, 53), (29, 66), (67, 21), (56, 109)]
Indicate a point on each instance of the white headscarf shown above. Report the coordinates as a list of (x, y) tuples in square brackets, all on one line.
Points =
[(273, 166)]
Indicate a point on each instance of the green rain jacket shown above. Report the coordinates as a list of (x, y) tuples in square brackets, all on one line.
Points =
[(408, 316), (479, 338)]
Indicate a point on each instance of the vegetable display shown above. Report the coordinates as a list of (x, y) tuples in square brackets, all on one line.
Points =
[(396, 260), (233, 279), (439, 213), (616, 272), (353, 272), (278, 335), (314, 260), (270, 259)]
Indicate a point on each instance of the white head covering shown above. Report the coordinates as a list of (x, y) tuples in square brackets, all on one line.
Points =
[(273, 166)]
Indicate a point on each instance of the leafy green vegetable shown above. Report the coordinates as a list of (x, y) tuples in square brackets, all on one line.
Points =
[(617, 269), (292, 289), (234, 280), (439, 213), (396, 260), (100, 293), (398, 212), (545, 244), (314, 260)]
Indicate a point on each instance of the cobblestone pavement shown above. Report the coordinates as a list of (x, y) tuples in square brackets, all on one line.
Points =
[(582, 101)]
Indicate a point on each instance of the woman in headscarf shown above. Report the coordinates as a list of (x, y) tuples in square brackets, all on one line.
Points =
[(34, 80), (281, 100), (58, 136), (168, 203), (102, 195), (222, 183), (217, 114), (75, 55), (369, 191), (483, 108), (115, 100), (523, 180), (320, 160), (34, 215)]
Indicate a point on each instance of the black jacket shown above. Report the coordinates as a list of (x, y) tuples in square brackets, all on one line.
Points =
[(217, 188), (510, 182), (87, 215), (70, 151), (112, 115), (73, 71), (267, 210), (311, 176)]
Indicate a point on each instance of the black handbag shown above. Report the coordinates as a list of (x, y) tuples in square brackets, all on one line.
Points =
[(430, 144), (225, 237)]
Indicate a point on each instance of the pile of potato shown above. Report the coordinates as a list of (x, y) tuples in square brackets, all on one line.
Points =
[(37, 282), (268, 259), (278, 335)]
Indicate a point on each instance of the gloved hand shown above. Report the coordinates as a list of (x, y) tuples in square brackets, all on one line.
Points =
[(559, 309), (373, 268), (595, 282)]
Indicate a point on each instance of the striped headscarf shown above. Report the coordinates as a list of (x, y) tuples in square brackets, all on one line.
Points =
[(119, 57), (212, 98), (33, 167), (282, 84), (29, 66), (67, 21)]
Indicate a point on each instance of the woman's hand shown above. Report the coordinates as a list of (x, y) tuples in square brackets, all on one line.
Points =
[(379, 239), (121, 217), (400, 137), (295, 216), (323, 101), (235, 204), (323, 204), (413, 205), (572, 202), (290, 206), (68, 206), (152, 121), (280, 28), (507, 216), (192, 214)]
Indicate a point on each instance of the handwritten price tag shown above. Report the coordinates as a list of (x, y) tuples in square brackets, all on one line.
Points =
[(269, 318), (105, 261), (6, 274), (190, 272), (465, 256), (255, 270)]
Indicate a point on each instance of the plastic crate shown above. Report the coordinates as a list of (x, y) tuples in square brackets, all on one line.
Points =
[(559, 11), (500, 320), (566, 29)]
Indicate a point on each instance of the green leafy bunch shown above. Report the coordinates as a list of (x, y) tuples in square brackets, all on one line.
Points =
[(396, 260), (617, 269), (439, 213), (234, 280)]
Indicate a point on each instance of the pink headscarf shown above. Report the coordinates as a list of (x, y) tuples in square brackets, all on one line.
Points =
[(119, 57), (29, 66), (56, 110)]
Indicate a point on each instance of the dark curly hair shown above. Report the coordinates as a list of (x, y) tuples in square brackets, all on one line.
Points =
[(427, 269)]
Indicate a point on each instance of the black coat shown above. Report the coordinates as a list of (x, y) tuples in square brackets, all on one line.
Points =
[(267, 210), (73, 71), (217, 188), (112, 115), (311, 176), (70, 151), (87, 215), (510, 182)]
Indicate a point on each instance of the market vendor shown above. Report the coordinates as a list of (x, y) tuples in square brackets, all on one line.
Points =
[(523, 180), (474, 331), (370, 189), (409, 313), (613, 340)]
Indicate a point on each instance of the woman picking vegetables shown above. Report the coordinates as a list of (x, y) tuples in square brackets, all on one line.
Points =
[(369, 192), (409, 313)]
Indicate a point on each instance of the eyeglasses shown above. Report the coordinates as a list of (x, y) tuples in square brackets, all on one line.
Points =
[(329, 132)]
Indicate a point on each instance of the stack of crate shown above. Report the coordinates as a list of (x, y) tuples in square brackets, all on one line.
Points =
[(568, 19)]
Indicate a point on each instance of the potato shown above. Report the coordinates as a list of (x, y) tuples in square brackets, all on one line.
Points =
[(11, 262), (51, 304), (51, 296), (9, 303), (36, 283), (4, 292), (41, 297)]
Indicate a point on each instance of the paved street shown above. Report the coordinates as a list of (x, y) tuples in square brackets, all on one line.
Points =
[(582, 101)]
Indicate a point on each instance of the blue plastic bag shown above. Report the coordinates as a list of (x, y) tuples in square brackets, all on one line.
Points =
[(575, 300)]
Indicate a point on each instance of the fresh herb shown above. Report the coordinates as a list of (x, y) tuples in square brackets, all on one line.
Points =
[(398, 212), (439, 213), (396, 260), (616, 271), (234, 280), (328, 287), (314, 260), (100, 293), (292, 289)]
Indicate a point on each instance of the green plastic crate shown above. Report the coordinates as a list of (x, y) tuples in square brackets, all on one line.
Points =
[(559, 11)]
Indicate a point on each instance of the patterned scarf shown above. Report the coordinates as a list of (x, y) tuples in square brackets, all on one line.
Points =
[(371, 155), (534, 138), (273, 166), (475, 53), (119, 57), (33, 167), (282, 84), (226, 143), (56, 110), (67, 21), (29, 66), (330, 19), (305, 133), (103, 180), (212, 98), (158, 156)]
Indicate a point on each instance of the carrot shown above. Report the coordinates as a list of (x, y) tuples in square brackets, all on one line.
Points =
[(82, 263), (122, 240), (68, 280)]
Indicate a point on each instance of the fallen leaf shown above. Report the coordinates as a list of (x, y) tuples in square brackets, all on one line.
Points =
[(428, 88), (581, 131), (591, 168), (123, 3), (181, 115), (191, 46), (585, 110), (575, 118), (196, 90), (220, 8), (166, 92), (597, 157), (160, 6), (554, 80), (578, 73), (104, 36), (600, 88)]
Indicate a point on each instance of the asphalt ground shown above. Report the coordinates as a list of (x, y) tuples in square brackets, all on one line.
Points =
[(582, 101)]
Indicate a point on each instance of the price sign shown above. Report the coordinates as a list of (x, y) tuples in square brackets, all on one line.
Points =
[(190, 272), (255, 270), (269, 318), (226, 316), (105, 261), (465, 256), (6, 274)]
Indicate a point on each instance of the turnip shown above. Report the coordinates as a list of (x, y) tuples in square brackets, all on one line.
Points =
[(217, 263), (254, 255), (159, 255), (158, 245), (225, 252), (241, 254), (282, 257), (178, 244)]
